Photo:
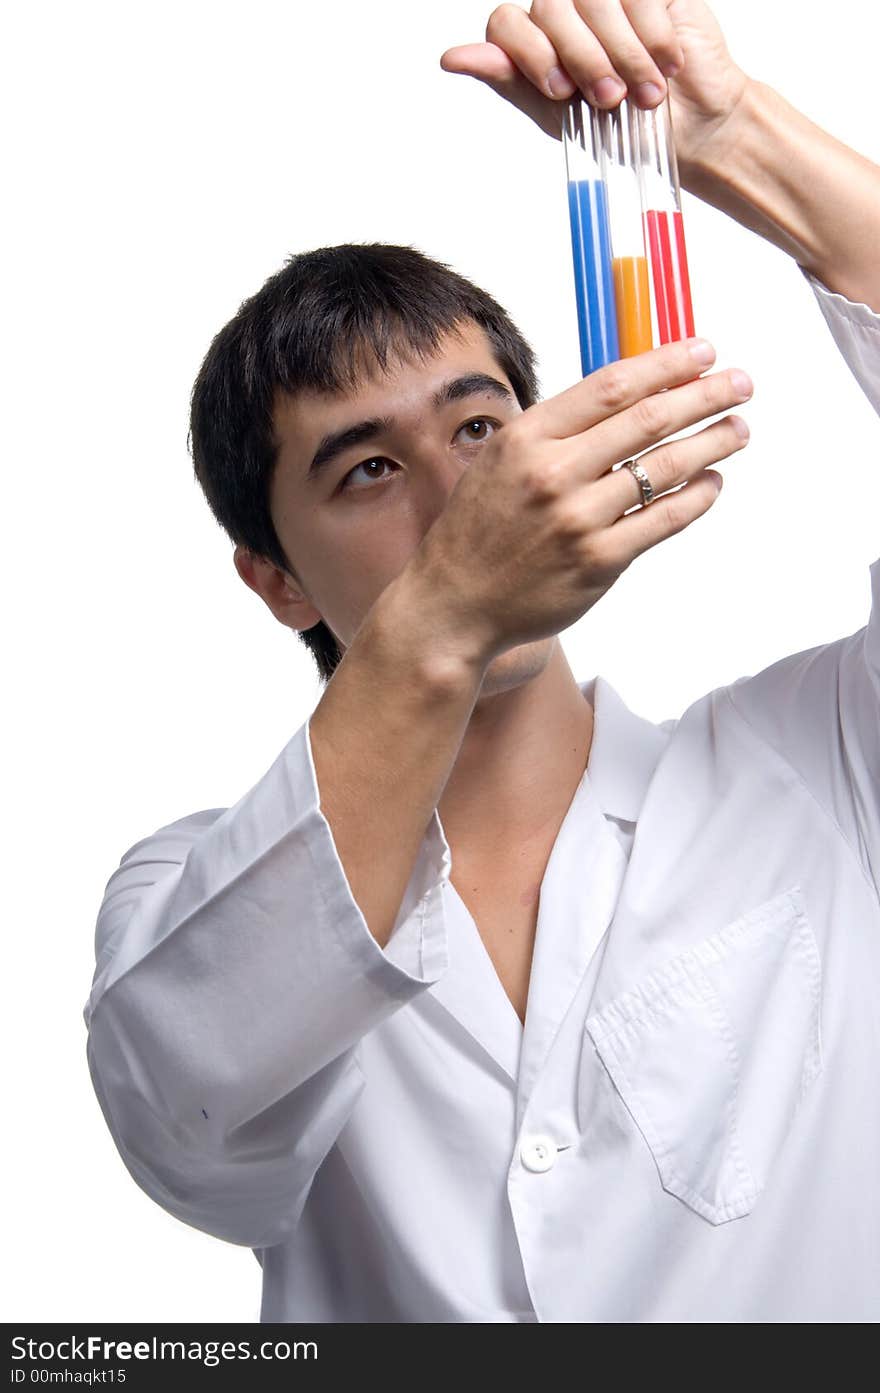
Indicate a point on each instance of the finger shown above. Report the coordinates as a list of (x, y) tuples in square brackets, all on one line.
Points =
[(631, 61), (614, 388), (650, 21), (579, 51), (529, 49), (644, 528), (491, 66), (656, 417), (667, 467)]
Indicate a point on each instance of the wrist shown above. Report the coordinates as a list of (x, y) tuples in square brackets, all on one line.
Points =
[(798, 187), (416, 626), (757, 166), (712, 159)]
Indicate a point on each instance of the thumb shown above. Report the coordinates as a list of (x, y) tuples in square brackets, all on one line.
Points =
[(490, 65), (487, 62)]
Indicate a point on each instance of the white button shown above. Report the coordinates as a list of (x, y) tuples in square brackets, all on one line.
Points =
[(538, 1153)]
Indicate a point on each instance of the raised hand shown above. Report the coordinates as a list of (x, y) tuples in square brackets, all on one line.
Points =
[(542, 524), (608, 49)]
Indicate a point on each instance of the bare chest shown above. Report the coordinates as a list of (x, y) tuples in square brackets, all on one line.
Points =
[(504, 907)]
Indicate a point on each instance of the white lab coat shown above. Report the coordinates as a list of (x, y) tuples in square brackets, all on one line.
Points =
[(686, 1129)]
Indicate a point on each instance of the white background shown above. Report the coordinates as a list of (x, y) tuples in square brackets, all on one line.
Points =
[(164, 159)]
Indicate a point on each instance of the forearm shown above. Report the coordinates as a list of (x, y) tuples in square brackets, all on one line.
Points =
[(777, 173), (384, 737), (234, 976)]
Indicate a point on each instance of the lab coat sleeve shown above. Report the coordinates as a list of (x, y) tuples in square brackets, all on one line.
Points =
[(235, 977), (820, 710)]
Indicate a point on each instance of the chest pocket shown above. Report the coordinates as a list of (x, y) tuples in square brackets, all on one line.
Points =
[(714, 1052)]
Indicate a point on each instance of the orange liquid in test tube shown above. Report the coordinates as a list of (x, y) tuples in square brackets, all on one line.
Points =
[(632, 294)]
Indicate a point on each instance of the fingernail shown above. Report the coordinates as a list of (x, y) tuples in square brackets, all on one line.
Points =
[(559, 84), (740, 427), (647, 94), (702, 351), (672, 68), (608, 89), (742, 383)]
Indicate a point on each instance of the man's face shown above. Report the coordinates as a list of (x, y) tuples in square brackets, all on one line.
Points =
[(362, 474)]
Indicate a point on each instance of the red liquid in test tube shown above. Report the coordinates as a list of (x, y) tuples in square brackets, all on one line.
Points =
[(672, 286), (664, 228)]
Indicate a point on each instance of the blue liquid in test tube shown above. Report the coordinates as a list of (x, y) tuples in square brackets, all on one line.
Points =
[(590, 242), (593, 280)]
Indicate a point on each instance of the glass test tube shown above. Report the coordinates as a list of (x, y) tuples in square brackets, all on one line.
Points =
[(619, 137), (590, 239), (664, 229)]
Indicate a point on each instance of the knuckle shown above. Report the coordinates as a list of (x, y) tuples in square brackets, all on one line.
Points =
[(638, 62), (549, 14), (525, 431), (597, 555), (652, 414), (499, 20), (612, 385), (513, 460), (633, 59), (667, 46), (571, 527), (661, 39), (513, 437), (676, 512), (546, 481), (663, 470), (719, 391)]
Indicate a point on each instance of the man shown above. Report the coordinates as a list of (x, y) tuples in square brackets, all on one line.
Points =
[(492, 1001)]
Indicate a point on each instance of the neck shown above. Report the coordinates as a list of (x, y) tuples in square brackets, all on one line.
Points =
[(522, 757)]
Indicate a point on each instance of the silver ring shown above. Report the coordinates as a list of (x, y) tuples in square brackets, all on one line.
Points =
[(641, 478)]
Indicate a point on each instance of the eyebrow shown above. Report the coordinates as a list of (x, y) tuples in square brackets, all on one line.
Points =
[(468, 385)]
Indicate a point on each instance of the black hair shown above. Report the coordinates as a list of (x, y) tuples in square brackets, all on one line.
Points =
[(309, 328)]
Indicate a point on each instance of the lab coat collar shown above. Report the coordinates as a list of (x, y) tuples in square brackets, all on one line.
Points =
[(624, 751)]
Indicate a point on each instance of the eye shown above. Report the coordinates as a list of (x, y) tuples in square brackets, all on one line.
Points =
[(366, 464), (475, 431), (478, 430)]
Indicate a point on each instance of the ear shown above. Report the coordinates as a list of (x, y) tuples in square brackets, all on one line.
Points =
[(278, 589)]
